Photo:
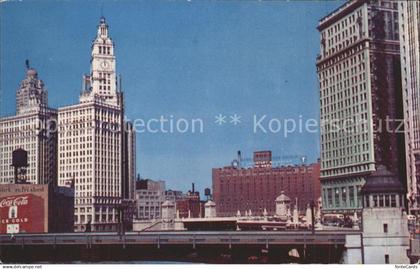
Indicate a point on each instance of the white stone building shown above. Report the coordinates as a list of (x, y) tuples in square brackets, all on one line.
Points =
[(282, 206), (210, 209), (409, 17), (32, 129), (360, 92), (96, 146), (150, 195), (385, 228)]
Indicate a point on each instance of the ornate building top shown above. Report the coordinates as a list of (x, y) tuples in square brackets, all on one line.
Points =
[(32, 93)]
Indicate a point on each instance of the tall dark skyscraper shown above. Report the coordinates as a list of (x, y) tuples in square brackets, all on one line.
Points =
[(361, 99)]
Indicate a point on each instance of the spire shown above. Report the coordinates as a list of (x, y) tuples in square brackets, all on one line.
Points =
[(102, 11), (103, 28)]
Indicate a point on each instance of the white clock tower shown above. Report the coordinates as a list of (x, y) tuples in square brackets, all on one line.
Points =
[(102, 81), (96, 146)]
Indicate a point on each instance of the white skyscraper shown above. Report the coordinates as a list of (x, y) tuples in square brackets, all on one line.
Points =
[(409, 17), (93, 143), (31, 129)]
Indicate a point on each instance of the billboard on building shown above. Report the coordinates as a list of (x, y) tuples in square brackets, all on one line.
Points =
[(23, 208)]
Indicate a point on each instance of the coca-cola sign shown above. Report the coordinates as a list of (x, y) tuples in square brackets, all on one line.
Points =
[(26, 211), (14, 201)]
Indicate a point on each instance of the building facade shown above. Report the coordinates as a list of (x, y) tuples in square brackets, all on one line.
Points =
[(129, 159), (36, 208), (31, 94), (360, 98), (150, 196), (189, 205), (256, 188), (173, 195), (409, 18), (32, 129), (96, 147)]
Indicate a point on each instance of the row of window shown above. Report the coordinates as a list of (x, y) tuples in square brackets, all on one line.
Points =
[(360, 167), (342, 197), (104, 50), (390, 200)]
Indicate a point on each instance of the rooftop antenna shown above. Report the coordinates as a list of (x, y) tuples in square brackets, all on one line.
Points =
[(102, 10)]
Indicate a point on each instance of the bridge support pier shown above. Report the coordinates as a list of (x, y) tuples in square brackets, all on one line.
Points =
[(353, 249)]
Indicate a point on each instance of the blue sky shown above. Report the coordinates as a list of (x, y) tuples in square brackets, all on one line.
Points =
[(191, 60)]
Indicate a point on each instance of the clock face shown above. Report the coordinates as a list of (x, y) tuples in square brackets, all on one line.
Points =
[(105, 64)]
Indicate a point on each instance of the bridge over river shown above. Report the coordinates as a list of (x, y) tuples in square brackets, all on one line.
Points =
[(183, 246)]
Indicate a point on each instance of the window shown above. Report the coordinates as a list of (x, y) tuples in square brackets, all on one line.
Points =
[(381, 201), (351, 196), (367, 199), (386, 258), (344, 196), (387, 201), (337, 197), (385, 228), (375, 201), (393, 201), (330, 197), (359, 196)]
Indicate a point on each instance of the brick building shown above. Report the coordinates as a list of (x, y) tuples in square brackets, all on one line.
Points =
[(256, 188), (190, 205), (36, 208)]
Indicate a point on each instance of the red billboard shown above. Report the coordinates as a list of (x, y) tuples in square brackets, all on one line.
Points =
[(23, 209)]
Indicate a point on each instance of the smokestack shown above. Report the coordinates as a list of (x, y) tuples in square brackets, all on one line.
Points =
[(193, 188), (239, 158)]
